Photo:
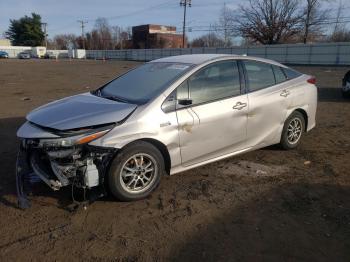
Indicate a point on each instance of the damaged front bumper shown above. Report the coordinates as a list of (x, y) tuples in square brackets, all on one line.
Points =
[(81, 166)]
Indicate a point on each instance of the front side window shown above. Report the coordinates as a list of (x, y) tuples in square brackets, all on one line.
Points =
[(215, 81), (259, 75), (145, 82)]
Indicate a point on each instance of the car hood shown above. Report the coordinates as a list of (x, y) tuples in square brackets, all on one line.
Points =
[(80, 111)]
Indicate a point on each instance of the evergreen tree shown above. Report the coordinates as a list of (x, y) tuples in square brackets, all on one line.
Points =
[(26, 31)]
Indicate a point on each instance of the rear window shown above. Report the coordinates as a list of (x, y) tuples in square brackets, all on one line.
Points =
[(290, 73)]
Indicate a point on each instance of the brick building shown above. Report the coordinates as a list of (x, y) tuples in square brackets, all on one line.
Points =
[(155, 36)]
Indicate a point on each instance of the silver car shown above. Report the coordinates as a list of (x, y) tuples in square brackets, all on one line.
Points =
[(24, 55), (162, 118)]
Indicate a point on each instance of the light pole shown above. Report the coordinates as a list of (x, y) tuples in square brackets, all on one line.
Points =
[(184, 3)]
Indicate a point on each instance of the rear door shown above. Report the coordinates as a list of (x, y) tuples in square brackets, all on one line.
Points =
[(269, 99), (215, 121)]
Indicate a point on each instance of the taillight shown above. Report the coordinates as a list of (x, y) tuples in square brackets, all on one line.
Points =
[(312, 80)]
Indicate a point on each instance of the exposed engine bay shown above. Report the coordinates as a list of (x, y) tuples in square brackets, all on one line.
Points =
[(60, 162)]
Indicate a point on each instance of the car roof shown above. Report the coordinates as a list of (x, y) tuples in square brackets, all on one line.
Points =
[(198, 59)]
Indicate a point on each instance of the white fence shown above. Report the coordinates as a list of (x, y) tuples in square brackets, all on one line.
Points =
[(60, 53), (307, 54)]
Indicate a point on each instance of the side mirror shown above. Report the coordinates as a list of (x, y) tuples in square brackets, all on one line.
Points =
[(185, 102)]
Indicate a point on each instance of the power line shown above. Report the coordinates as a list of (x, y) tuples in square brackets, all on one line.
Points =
[(137, 11), (213, 4), (185, 3), (329, 21), (118, 16)]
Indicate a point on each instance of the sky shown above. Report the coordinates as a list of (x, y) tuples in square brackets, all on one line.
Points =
[(61, 16)]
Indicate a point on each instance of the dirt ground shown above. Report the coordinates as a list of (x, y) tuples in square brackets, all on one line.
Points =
[(268, 205)]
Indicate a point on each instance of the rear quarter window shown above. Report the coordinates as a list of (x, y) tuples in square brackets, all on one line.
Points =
[(290, 73)]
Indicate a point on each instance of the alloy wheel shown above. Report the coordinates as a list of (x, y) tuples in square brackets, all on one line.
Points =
[(294, 130), (138, 172)]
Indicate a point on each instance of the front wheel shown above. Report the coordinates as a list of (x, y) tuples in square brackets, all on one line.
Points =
[(293, 130), (136, 171)]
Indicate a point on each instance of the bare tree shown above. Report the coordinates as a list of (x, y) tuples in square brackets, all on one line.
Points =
[(268, 21), (313, 18), (92, 40), (62, 41), (225, 26), (339, 14), (104, 37), (210, 39), (340, 33), (103, 33), (116, 36)]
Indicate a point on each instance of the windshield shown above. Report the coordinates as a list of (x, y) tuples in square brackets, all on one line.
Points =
[(144, 83)]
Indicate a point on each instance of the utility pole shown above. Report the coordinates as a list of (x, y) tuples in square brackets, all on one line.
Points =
[(82, 22), (225, 24), (184, 3), (44, 25)]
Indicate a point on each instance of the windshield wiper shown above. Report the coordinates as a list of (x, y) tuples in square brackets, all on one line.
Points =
[(116, 98)]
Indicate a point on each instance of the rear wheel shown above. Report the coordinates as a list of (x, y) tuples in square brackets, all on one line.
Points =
[(293, 130), (136, 171)]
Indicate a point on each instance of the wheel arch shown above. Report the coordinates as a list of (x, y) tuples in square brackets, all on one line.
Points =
[(304, 113), (161, 147)]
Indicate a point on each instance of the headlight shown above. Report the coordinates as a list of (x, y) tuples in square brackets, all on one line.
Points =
[(73, 140)]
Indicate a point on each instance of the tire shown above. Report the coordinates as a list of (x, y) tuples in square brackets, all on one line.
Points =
[(134, 162), (288, 141)]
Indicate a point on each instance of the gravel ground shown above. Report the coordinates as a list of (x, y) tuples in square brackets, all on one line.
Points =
[(267, 205)]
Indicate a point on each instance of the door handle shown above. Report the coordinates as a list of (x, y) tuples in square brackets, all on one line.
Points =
[(239, 106), (285, 93)]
